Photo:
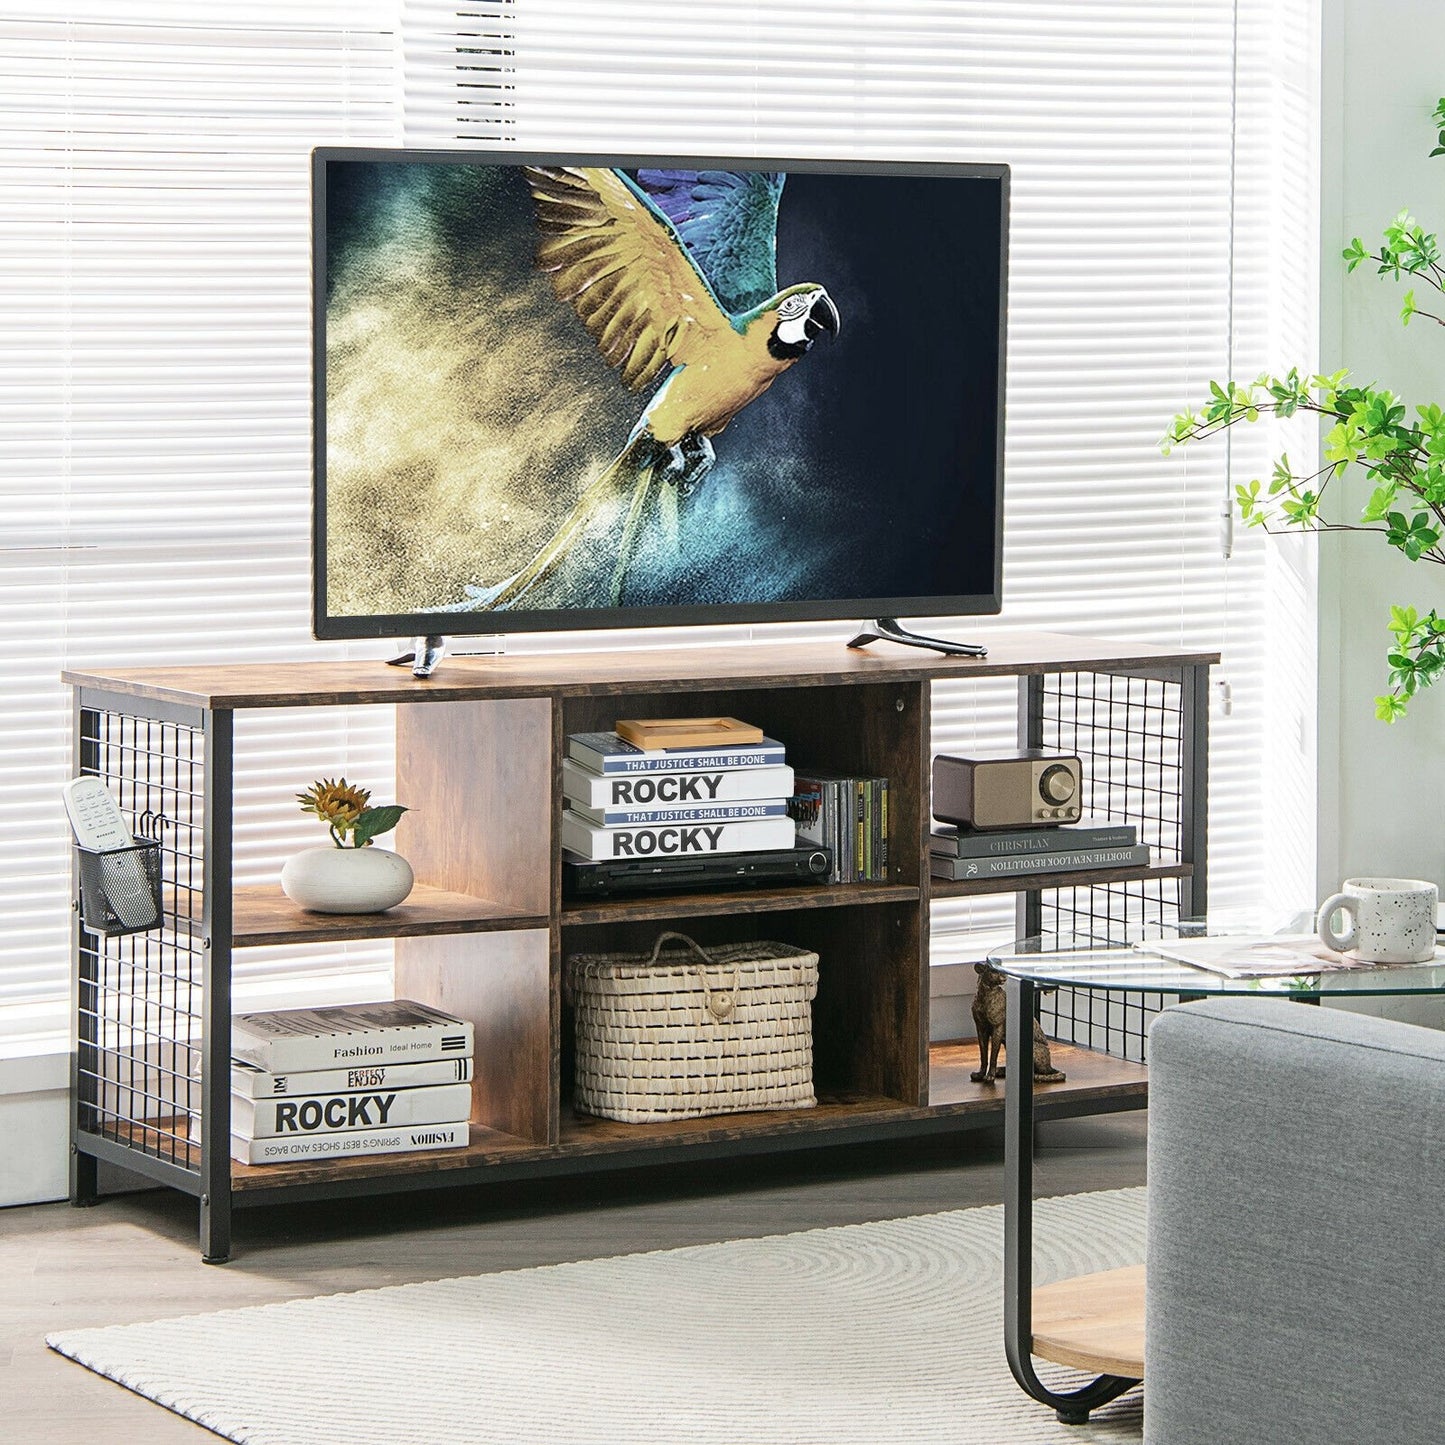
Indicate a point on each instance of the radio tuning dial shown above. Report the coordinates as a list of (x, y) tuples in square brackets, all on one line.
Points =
[(1057, 784)]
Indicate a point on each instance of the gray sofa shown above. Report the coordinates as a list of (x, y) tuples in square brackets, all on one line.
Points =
[(1296, 1236)]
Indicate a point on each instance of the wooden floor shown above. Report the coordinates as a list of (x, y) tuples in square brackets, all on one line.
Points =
[(134, 1258)]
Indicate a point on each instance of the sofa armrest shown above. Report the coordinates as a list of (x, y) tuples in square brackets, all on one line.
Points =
[(1296, 1249)]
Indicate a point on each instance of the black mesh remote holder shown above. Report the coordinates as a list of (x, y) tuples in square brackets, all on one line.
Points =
[(120, 889)]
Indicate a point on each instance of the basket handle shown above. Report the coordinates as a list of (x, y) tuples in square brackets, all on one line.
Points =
[(692, 943), (720, 1003)]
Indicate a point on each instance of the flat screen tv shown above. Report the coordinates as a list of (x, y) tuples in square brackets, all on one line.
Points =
[(562, 391)]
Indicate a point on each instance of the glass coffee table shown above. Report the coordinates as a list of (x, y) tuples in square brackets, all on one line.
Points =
[(1096, 1323)]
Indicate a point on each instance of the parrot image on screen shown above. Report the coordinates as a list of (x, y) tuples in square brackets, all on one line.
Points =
[(674, 275)]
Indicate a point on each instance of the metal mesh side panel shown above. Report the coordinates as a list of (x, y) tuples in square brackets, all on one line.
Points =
[(1129, 735), (139, 1006)]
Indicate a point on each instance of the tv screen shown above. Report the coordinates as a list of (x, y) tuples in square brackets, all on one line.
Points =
[(560, 391)]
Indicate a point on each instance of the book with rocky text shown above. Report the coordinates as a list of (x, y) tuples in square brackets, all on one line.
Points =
[(349, 1143), (393, 1031), (370, 1109), (253, 1083), (675, 789), (674, 840)]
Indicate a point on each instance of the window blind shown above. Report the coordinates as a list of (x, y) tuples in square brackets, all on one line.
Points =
[(155, 340), (1163, 217)]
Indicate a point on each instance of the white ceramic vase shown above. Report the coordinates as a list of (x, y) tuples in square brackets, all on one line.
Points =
[(347, 880)]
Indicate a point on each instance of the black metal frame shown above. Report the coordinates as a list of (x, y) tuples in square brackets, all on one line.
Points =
[(1074, 1406), (1161, 714), (1183, 755), (150, 1070)]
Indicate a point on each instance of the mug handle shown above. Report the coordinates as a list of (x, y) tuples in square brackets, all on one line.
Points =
[(1347, 904)]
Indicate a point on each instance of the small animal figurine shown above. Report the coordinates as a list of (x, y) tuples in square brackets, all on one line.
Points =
[(989, 1009)]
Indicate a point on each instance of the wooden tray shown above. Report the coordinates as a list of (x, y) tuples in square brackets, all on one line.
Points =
[(687, 732)]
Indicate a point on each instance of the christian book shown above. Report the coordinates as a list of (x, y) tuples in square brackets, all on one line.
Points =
[(608, 753), (330, 1113), (1066, 838), (1021, 864), (349, 1143), (702, 813), (674, 840), (675, 789), (394, 1031), (253, 1083)]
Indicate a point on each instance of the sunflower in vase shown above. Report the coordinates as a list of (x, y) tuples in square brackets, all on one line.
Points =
[(351, 876)]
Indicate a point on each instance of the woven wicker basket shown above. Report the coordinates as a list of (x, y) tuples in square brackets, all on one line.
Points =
[(685, 1032)]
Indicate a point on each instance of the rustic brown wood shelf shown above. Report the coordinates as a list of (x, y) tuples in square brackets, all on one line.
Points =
[(486, 933), (263, 915), (1089, 1076), (736, 902)]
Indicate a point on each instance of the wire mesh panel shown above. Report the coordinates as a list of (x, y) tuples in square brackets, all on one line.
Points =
[(140, 995), (1130, 735)]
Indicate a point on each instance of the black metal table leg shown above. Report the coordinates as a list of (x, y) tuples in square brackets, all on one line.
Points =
[(1018, 1213), (85, 970), (215, 1150)]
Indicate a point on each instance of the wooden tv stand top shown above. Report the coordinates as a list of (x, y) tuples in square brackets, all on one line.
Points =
[(236, 686)]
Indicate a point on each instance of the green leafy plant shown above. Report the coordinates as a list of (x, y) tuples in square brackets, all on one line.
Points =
[(1400, 458), (344, 809)]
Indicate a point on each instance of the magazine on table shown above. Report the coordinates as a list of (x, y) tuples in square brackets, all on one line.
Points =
[(1252, 955)]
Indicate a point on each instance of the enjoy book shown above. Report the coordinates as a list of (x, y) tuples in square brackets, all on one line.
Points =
[(252, 1083)]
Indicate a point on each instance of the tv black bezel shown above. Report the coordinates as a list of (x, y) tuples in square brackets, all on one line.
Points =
[(327, 628)]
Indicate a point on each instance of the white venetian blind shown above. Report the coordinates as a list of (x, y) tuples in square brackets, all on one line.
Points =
[(155, 341), (1162, 224)]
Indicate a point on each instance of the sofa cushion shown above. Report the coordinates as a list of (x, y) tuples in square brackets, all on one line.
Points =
[(1296, 1250)]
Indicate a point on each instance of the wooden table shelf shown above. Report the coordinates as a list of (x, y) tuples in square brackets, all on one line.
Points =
[(1094, 1322)]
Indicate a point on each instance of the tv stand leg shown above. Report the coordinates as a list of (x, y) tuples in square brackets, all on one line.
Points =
[(887, 629), (425, 654)]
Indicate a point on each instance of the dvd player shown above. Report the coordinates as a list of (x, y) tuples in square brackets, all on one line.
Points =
[(615, 876)]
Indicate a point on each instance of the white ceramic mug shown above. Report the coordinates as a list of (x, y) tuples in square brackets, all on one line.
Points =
[(1391, 920)]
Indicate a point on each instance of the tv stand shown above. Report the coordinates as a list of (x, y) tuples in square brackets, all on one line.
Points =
[(426, 652), (888, 629), (486, 932)]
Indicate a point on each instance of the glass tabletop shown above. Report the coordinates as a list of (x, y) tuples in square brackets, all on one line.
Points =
[(1166, 958)]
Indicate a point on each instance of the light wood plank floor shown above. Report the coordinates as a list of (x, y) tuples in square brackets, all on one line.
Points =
[(134, 1258)]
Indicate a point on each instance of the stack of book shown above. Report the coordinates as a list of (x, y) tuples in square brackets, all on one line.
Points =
[(369, 1078), (849, 816), (622, 801), (1070, 847)]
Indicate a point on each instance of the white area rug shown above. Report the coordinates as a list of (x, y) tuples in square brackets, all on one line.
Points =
[(862, 1335)]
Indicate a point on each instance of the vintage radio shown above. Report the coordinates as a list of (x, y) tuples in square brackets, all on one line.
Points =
[(1018, 788)]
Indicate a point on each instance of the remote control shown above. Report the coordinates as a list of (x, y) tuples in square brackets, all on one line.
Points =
[(100, 827)]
